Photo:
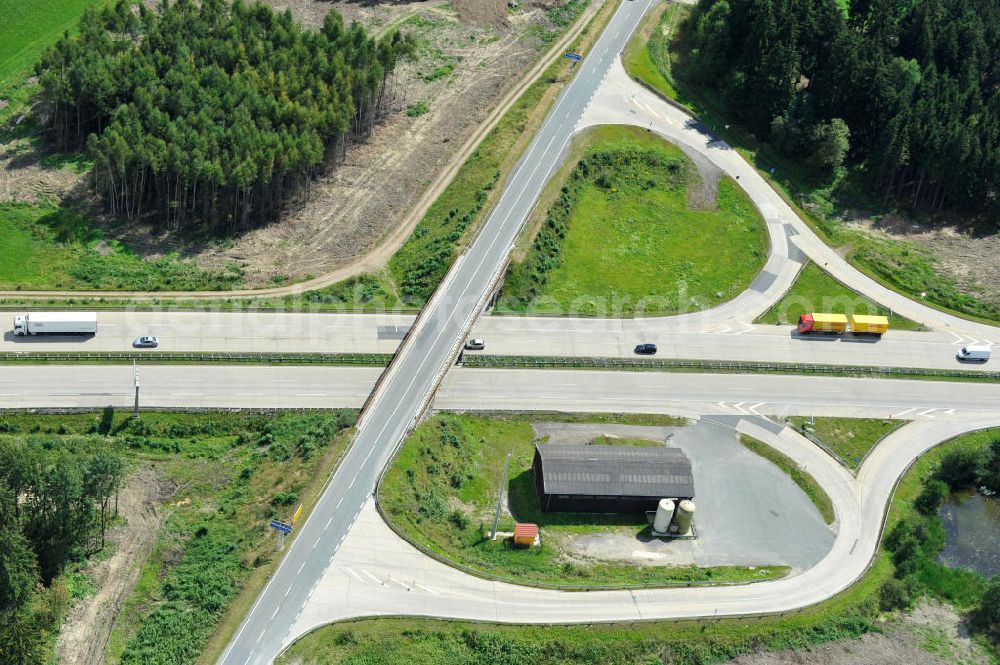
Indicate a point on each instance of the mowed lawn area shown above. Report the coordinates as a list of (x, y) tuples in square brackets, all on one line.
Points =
[(50, 247), (441, 493), (815, 290), (850, 438), (622, 237), (27, 28)]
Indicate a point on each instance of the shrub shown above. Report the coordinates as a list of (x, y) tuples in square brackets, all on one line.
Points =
[(279, 452), (284, 499), (458, 520), (929, 501), (961, 468), (894, 595)]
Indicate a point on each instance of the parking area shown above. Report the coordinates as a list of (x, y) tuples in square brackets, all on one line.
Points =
[(749, 512)]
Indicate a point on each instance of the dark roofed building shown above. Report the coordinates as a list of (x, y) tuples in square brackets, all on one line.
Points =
[(609, 479)]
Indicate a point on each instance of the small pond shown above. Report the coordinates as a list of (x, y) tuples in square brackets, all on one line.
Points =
[(973, 525)]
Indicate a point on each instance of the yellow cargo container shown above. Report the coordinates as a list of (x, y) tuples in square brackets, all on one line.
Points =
[(869, 325), (822, 322)]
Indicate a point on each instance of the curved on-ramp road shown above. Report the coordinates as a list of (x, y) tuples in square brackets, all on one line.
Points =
[(377, 573)]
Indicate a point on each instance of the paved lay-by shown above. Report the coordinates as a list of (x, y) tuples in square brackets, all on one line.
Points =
[(376, 573)]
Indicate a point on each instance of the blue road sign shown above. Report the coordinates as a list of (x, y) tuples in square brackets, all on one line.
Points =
[(575, 57), (281, 526)]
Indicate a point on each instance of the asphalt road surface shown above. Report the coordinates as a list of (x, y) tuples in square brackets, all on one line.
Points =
[(421, 361)]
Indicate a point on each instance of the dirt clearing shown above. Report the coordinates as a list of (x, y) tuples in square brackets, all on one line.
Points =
[(469, 54), (86, 630), (932, 634), (967, 257)]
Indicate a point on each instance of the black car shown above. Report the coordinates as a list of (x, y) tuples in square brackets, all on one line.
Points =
[(646, 349)]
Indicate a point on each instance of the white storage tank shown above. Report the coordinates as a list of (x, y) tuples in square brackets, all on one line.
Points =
[(664, 513), (683, 517)]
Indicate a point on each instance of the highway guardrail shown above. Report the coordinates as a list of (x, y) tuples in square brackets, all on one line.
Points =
[(154, 357), (733, 366)]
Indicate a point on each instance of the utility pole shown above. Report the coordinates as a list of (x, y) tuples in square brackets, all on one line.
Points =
[(503, 484), (135, 380)]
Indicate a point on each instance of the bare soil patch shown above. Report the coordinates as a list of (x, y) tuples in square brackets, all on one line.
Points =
[(87, 629), (470, 53), (24, 176), (932, 634), (963, 254)]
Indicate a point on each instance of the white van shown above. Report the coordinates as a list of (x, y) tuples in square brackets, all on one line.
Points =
[(979, 352)]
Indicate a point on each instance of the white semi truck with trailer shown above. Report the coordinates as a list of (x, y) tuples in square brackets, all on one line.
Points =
[(56, 323)]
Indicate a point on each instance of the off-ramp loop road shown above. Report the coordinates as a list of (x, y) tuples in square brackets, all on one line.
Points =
[(311, 586)]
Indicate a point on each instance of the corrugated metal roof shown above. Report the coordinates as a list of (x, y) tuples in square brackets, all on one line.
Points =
[(615, 471)]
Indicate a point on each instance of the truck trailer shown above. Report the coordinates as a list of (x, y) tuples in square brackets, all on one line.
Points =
[(862, 324), (56, 323), (858, 324), (822, 323)]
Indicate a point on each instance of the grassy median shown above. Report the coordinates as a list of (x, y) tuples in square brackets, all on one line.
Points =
[(850, 438), (814, 290)]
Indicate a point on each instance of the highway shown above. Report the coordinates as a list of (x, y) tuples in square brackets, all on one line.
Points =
[(220, 386), (711, 338), (407, 386), (310, 586)]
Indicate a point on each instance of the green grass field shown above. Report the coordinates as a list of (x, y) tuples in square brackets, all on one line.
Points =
[(28, 28), (442, 488), (806, 482), (50, 247), (850, 438), (623, 240), (646, 57), (815, 290), (418, 641)]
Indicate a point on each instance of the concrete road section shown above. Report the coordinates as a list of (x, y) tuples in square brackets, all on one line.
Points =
[(604, 338), (234, 332), (409, 383), (220, 386), (376, 573), (621, 100), (699, 394), (243, 332)]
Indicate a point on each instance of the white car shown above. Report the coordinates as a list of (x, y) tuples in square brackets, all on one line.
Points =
[(475, 345), (974, 352)]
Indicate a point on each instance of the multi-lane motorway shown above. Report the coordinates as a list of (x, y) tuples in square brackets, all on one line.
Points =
[(215, 386), (600, 93), (711, 338)]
